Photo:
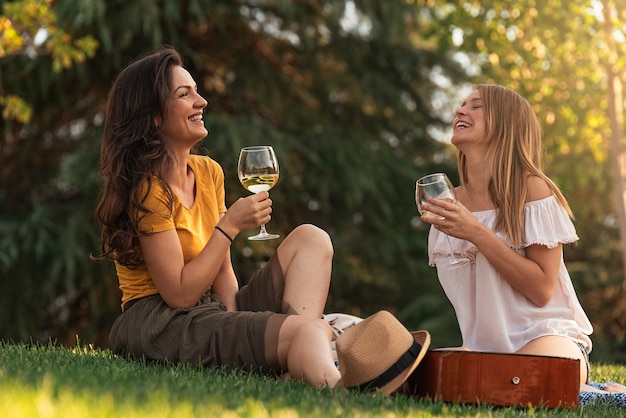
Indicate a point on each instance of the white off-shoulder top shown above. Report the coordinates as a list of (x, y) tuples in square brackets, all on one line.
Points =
[(492, 315)]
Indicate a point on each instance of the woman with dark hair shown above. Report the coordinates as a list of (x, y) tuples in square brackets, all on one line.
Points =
[(164, 223), (516, 295)]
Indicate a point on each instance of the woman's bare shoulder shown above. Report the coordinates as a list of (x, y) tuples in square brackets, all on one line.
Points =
[(537, 188)]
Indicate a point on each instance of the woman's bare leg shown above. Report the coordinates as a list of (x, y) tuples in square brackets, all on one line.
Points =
[(556, 346), (306, 259), (304, 350)]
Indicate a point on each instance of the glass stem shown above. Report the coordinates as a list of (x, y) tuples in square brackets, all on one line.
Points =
[(454, 260)]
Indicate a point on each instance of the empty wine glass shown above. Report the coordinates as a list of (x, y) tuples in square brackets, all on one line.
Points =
[(258, 172), (439, 186)]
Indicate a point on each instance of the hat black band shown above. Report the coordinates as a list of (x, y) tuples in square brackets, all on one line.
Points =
[(392, 372)]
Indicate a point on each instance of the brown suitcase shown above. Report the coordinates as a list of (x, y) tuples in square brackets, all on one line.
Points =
[(497, 379)]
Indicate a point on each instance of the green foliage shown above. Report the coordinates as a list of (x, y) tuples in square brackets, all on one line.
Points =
[(21, 23), (15, 108)]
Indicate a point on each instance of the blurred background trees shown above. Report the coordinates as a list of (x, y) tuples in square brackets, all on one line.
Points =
[(355, 96)]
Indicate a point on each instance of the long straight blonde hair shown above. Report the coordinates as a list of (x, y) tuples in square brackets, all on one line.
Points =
[(514, 152)]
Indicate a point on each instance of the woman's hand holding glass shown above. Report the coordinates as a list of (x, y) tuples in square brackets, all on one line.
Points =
[(437, 186)]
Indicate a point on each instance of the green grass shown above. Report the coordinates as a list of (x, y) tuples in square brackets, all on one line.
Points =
[(52, 381)]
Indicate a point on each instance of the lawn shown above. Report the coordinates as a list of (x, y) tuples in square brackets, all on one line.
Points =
[(53, 381)]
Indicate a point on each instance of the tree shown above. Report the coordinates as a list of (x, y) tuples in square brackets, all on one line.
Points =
[(614, 66), (28, 27)]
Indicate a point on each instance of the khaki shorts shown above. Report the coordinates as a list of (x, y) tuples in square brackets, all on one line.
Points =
[(207, 334)]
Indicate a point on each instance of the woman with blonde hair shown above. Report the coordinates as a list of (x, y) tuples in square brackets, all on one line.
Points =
[(511, 221)]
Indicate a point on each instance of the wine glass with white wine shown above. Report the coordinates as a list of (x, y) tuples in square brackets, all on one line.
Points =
[(439, 186), (258, 172)]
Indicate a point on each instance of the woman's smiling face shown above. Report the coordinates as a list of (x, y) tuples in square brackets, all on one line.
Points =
[(183, 122), (469, 124)]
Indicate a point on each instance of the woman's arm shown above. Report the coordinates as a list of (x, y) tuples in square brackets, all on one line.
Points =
[(535, 275), (225, 284), (182, 285)]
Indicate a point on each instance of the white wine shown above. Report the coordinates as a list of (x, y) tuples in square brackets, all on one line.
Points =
[(257, 171), (421, 197), (259, 183), (431, 215)]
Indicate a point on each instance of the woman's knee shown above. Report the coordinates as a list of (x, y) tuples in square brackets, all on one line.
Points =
[(310, 327), (310, 237), (552, 345), (297, 330), (557, 346), (297, 327), (314, 234)]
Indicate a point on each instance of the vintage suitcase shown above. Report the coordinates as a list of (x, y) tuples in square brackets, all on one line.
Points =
[(497, 379)]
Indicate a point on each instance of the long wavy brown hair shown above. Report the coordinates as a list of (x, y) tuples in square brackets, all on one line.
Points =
[(133, 153), (514, 153)]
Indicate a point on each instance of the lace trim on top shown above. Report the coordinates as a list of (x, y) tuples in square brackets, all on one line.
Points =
[(546, 222)]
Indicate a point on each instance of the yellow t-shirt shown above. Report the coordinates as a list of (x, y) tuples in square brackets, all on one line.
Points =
[(194, 225)]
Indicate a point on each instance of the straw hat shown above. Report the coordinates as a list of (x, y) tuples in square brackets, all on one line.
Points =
[(379, 353)]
